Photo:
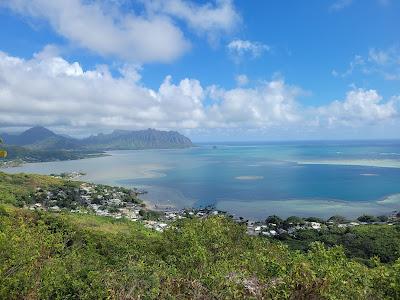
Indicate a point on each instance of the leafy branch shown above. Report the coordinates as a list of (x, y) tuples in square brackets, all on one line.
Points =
[(3, 153)]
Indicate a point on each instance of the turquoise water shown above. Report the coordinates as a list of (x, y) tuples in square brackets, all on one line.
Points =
[(255, 180)]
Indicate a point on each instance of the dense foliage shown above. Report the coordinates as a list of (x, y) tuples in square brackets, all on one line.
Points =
[(17, 189), (38, 155), (362, 242), (81, 256), (63, 256)]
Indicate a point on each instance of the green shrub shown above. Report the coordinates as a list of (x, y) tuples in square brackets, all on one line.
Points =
[(69, 256)]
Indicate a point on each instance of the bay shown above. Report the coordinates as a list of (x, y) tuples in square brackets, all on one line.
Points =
[(254, 180)]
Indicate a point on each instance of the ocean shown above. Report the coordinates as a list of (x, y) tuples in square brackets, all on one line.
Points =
[(254, 180)]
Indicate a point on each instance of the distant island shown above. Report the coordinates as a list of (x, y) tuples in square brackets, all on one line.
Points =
[(39, 144)]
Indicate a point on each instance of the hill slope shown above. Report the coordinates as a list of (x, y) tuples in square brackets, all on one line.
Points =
[(60, 256), (30, 136), (82, 256), (40, 138)]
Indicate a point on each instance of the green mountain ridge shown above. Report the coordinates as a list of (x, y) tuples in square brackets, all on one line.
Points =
[(142, 139), (40, 138)]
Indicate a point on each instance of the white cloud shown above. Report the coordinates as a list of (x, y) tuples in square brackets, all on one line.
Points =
[(111, 29), (242, 80), (381, 62), (241, 48), (131, 72), (385, 62), (50, 91), (379, 57), (270, 104), (108, 31), (209, 18), (359, 108), (56, 92)]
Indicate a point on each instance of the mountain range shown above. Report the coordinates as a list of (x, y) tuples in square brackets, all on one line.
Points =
[(41, 138)]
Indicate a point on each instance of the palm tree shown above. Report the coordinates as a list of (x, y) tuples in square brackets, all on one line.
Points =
[(3, 153)]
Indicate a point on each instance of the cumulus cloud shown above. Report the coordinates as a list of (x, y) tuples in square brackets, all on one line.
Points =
[(360, 107), (52, 91), (57, 92), (243, 48), (269, 104), (48, 90), (139, 38)]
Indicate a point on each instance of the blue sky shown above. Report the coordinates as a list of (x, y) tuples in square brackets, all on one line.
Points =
[(238, 70)]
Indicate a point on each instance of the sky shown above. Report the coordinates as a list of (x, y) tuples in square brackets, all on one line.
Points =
[(214, 70)]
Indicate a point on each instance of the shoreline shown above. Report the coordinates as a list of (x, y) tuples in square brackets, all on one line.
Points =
[(158, 207), (19, 162), (254, 208), (121, 202), (386, 205), (245, 208)]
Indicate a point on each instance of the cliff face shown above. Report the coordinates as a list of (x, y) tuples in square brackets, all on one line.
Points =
[(143, 139)]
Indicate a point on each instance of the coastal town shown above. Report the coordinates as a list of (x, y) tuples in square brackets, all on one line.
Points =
[(119, 202)]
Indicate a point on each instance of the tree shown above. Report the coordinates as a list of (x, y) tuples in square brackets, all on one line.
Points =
[(293, 221), (274, 219), (337, 219), (3, 153), (367, 219), (314, 219), (383, 218)]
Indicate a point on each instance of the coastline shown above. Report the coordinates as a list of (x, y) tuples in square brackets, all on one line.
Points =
[(117, 203), (164, 197), (152, 205), (19, 162), (324, 208), (247, 208)]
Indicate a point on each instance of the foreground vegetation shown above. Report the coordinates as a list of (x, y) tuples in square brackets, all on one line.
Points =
[(361, 242), (61, 256), (367, 238), (17, 189)]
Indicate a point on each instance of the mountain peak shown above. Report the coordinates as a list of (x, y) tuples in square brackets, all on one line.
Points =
[(39, 130), (30, 136), (35, 134)]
